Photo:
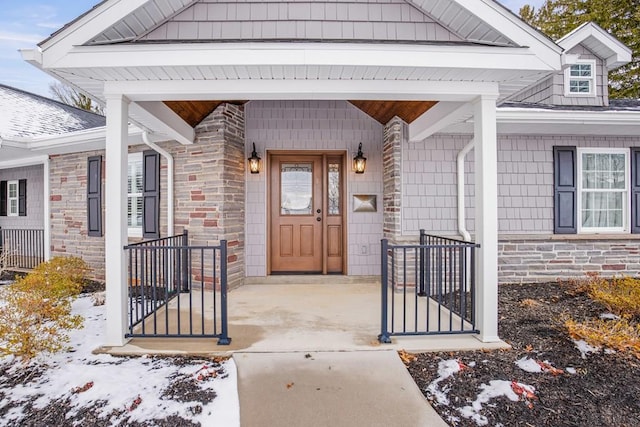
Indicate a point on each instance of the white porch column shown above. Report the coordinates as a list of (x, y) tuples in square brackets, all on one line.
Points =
[(116, 219), (46, 170), (486, 217)]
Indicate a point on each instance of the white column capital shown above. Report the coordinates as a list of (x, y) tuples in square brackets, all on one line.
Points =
[(485, 97), (116, 96)]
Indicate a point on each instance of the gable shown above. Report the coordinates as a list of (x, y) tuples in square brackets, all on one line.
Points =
[(347, 20)]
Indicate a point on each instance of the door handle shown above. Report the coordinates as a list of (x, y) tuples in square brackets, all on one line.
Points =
[(318, 219), (318, 210)]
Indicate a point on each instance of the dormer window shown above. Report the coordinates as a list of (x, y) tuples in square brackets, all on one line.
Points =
[(580, 79)]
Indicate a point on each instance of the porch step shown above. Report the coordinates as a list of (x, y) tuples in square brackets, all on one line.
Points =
[(311, 279)]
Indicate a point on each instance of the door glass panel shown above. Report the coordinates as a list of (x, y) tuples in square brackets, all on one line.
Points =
[(334, 189), (296, 189)]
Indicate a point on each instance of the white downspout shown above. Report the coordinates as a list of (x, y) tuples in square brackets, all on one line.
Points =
[(164, 153), (462, 229)]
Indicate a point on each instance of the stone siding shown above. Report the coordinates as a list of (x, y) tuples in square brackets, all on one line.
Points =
[(209, 194), (209, 186), (394, 134), (523, 259), (68, 203)]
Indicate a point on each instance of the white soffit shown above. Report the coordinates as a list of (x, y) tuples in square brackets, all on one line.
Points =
[(600, 42)]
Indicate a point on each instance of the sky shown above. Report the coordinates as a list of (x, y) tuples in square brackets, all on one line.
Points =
[(25, 23)]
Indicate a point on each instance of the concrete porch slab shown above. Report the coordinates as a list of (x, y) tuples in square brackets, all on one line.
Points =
[(302, 318)]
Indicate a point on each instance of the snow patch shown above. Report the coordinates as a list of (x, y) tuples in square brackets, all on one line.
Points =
[(585, 348), (529, 365), (495, 389), (69, 375), (609, 316), (446, 368)]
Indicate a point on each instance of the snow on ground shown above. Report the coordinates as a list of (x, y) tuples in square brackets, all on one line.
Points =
[(493, 390), (134, 385), (585, 348), (529, 365), (446, 368), (513, 390)]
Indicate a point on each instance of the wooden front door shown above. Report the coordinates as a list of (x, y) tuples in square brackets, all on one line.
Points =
[(306, 210)]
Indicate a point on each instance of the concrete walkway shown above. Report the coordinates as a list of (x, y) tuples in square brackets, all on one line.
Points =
[(332, 389)]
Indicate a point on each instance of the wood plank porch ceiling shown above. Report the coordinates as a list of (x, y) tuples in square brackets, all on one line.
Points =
[(193, 112)]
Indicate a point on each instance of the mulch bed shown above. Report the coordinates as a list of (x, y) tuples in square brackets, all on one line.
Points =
[(604, 391)]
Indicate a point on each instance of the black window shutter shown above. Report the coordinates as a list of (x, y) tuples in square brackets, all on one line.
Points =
[(22, 197), (94, 196), (635, 190), (151, 195), (3, 198), (565, 198)]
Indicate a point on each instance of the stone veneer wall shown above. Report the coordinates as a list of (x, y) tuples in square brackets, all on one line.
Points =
[(68, 204), (392, 178), (209, 186), (524, 259), (209, 194)]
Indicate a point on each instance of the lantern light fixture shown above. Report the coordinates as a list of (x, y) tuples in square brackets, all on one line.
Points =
[(359, 161), (254, 161)]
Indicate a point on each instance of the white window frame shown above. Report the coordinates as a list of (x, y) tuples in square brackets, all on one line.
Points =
[(626, 200), (15, 198), (592, 80), (134, 231)]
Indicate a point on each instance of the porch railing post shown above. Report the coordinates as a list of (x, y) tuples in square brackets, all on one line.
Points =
[(224, 333), (184, 262), (422, 263), (384, 283)]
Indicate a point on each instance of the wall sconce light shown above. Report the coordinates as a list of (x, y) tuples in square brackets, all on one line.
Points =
[(359, 161), (254, 161)]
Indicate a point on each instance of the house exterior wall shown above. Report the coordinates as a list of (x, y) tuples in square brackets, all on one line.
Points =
[(528, 250), (551, 90), (68, 204), (317, 126), (35, 197), (208, 210), (302, 20), (210, 187)]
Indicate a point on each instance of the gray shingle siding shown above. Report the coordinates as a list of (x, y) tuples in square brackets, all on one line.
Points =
[(391, 20), (551, 90)]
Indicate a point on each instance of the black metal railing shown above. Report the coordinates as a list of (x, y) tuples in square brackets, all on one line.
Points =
[(21, 248), (177, 290), (429, 288)]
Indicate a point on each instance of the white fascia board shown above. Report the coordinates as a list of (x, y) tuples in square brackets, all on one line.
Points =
[(79, 141), (514, 28), (301, 54), (398, 90), (618, 53), (88, 26), (164, 120), (438, 117), (23, 162)]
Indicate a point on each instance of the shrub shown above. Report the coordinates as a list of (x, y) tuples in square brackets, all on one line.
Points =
[(621, 295), (35, 311), (621, 335)]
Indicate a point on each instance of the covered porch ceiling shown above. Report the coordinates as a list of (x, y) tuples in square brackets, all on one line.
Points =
[(193, 112)]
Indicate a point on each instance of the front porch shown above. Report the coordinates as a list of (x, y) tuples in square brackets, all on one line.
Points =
[(303, 313)]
